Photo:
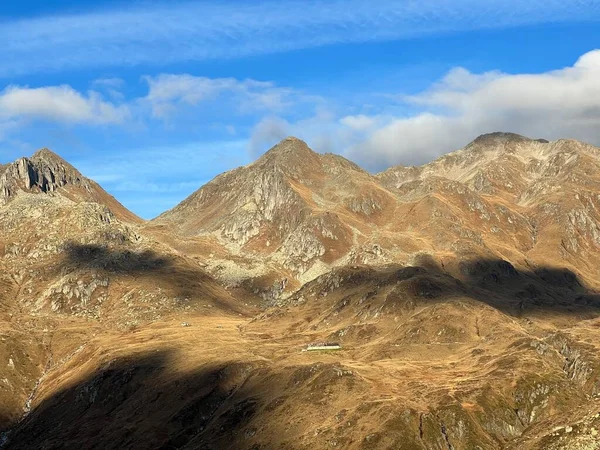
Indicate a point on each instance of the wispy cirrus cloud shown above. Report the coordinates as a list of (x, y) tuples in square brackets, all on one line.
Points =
[(111, 86), (6, 126), (110, 82), (154, 34)]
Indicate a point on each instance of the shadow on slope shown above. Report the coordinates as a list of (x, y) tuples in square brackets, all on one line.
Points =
[(183, 278), (117, 261), (138, 402), (494, 282), (520, 291)]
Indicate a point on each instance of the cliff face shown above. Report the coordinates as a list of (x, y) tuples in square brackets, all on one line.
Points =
[(47, 173), (44, 172)]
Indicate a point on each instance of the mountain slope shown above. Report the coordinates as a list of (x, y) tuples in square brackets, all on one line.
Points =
[(536, 197), (292, 209), (465, 295), (74, 262), (71, 248), (297, 214)]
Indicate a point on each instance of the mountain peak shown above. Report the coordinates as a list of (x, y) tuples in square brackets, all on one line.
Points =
[(293, 139), (291, 154), (499, 137), (47, 158), (289, 145), (47, 173), (44, 172), (46, 153)]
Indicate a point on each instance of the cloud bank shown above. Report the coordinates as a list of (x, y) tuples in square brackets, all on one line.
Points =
[(452, 112), (558, 104)]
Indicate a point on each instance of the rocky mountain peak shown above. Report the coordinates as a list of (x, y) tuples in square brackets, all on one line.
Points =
[(288, 146), (44, 172), (291, 155), (48, 174), (45, 154), (499, 137)]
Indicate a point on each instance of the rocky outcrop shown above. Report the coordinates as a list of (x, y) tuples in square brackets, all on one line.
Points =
[(48, 174), (44, 172)]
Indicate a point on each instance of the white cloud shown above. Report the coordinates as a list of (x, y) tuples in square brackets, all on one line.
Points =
[(359, 122), (563, 103), (111, 86), (157, 34), (169, 92), (59, 103), (557, 104), (179, 99)]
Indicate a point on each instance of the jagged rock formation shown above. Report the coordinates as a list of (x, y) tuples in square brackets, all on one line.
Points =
[(44, 172), (47, 173)]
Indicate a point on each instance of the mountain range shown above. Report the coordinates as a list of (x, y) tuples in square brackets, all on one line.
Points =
[(464, 294)]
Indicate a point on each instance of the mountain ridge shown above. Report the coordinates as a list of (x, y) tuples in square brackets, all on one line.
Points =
[(324, 211), (282, 155)]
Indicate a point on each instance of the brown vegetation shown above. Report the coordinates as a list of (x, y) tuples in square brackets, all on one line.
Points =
[(464, 294)]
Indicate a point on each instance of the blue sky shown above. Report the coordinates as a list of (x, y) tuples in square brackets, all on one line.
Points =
[(154, 99)]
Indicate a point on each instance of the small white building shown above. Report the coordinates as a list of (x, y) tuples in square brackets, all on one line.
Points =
[(322, 346)]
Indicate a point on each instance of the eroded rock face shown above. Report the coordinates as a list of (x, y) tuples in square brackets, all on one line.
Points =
[(44, 172)]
